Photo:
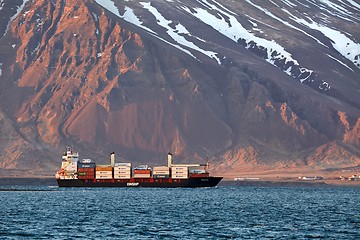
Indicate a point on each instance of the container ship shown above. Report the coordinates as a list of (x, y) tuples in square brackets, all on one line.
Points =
[(86, 173)]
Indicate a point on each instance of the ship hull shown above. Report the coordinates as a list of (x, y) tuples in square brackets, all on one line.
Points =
[(145, 182)]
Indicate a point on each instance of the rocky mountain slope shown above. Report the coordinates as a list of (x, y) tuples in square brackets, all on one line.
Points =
[(246, 84)]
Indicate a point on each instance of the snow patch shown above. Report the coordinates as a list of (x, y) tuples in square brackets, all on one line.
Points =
[(283, 21), (39, 22), (175, 33), (19, 9), (344, 45), (324, 86), (128, 15), (109, 5), (232, 29), (96, 17), (357, 5), (274, 3), (336, 10), (287, 2), (0, 64), (253, 23), (340, 62), (288, 71), (36, 49)]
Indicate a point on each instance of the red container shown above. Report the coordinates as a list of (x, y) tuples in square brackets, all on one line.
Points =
[(198, 175), (91, 170), (136, 171), (86, 177), (86, 173)]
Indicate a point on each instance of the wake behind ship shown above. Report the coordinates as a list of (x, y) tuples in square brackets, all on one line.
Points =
[(86, 173)]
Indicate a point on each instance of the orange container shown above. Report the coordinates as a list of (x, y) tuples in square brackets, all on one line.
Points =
[(137, 171), (91, 170), (103, 168)]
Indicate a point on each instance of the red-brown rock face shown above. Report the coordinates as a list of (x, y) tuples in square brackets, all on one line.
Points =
[(73, 74)]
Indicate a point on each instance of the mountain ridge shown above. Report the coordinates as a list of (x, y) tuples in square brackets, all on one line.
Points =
[(81, 75)]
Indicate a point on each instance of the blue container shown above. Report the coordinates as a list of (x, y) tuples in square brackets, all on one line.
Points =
[(86, 165)]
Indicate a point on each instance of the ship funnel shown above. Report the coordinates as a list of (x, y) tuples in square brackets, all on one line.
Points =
[(112, 159), (169, 159)]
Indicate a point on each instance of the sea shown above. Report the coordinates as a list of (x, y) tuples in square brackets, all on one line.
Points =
[(223, 212)]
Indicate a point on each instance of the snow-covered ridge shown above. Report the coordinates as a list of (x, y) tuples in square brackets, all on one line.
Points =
[(313, 19), (233, 29), (177, 33), (128, 15), (343, 44)]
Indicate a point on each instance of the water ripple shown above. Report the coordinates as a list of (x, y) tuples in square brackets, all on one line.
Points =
[(210, 213)]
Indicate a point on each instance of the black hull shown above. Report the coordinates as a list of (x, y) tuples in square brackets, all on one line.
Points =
[(154, 183)]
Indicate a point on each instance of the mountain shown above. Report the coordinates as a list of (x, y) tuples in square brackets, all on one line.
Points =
[(248, 85)]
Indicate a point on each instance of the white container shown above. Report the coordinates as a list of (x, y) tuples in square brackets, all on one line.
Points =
[(179, 168), (120, 176), (161, 168), (142, 175), (122, 172), (179, 173), (122, 165), (180, 177), (159, 172), (103, 177), (122, 168), (86, 161), (104, 172)]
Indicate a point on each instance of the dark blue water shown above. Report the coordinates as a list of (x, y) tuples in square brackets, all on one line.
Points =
[(209, 213)]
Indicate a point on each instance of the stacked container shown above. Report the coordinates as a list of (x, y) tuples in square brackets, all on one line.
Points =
[(122, 170), (197, 169), (86, 169), (104, 172), (161, 172), (198, 172), (179, 172), (142, 173)]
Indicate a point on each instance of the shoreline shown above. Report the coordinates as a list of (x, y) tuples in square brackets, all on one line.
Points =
[(273, 183)]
